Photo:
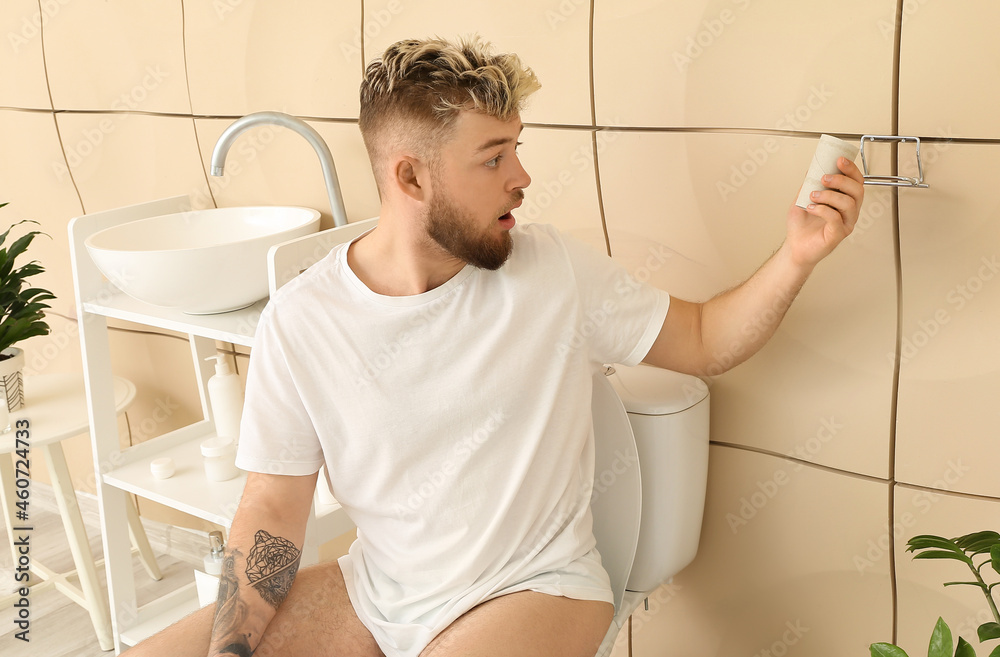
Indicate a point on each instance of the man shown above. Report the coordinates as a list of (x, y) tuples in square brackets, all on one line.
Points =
[(437, 367)]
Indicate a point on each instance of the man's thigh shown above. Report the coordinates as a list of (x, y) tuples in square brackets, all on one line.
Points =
[(317, 618), (526, 624)]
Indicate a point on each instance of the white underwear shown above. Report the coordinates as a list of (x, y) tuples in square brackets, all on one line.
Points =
[(583, 579)]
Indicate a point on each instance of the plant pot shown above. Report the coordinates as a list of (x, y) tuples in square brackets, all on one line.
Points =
[(11, 379)]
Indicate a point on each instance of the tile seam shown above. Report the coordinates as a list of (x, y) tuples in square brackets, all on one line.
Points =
[(53, 112), (894, 400)]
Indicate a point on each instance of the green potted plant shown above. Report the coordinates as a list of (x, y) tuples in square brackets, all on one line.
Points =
[(967, 549), (21, 311)]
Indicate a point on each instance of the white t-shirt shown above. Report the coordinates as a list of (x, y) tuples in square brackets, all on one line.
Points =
[(455, 425)]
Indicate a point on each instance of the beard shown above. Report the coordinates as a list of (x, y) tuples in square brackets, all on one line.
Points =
[(455, 232)]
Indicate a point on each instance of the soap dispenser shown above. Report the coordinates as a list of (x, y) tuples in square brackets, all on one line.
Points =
[(225, 393), (207, 580)]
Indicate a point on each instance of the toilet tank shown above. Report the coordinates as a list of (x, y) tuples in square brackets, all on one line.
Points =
[(669, 416)]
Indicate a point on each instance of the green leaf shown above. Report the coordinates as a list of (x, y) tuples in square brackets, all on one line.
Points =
[(925, 541), (3, 236), (989, 631), (996, 652), (941, 554), (941, 643), (21, 244), (886, 650), (995, 557), (981, 547), (969, 540), (964, 649), (22, 307)]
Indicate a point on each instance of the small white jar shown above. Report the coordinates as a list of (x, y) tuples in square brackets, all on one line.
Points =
[(220, 458), (162, 468)]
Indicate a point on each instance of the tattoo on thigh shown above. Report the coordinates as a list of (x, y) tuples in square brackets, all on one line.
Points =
[(239, 649), (231, 611), (271, 566)]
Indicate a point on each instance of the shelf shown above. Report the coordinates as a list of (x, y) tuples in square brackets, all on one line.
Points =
[(237, 326), (162, 613), (189, 490)]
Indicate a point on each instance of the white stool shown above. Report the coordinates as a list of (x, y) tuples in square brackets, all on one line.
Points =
[(56, 408)]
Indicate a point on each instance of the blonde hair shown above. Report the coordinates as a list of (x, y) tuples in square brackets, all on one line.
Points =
[(413, 94)]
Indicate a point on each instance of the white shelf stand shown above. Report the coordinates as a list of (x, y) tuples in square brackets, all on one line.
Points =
[(119, 471)]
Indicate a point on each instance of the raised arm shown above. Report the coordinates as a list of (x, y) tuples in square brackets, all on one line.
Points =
[(261, 559), (709, 338)]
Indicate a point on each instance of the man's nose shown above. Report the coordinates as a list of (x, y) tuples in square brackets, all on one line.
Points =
[(521, 179)]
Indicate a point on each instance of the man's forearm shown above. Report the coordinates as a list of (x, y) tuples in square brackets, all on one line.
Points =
[(737, 323), (256, 578)]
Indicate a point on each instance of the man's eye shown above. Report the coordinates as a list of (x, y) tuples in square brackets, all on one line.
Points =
[(495, 161)]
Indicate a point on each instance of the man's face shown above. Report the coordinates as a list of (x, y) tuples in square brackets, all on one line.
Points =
[(478, 181)]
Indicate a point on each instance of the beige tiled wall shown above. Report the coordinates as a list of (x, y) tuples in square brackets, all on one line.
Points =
[(672, 134)]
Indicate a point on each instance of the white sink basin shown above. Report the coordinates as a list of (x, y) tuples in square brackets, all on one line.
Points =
[(203, 261)]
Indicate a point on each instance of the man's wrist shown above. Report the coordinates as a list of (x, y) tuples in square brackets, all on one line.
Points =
[(795, 268)]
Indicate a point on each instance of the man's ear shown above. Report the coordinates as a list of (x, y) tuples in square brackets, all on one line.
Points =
[(412, 177)]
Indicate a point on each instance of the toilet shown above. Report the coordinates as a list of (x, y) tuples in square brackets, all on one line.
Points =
[(650, 475)]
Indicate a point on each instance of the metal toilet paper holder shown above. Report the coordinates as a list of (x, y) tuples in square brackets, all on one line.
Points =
[(892, 181)]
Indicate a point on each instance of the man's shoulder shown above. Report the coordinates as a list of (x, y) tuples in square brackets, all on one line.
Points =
[(303, 291)]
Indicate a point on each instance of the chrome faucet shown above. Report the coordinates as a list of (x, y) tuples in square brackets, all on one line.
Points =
[(242, 124)]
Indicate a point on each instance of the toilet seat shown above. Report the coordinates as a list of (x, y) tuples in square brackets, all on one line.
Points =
[(616, 502)]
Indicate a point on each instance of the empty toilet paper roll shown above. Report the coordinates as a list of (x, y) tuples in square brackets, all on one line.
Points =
[(824, 161)]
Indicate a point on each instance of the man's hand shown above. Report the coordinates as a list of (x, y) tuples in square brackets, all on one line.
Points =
[(813, 233)]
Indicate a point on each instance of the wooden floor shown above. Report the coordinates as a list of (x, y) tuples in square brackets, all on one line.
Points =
[(60, 627)]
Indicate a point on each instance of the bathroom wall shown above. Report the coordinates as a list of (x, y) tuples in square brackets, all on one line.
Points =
[(675, 136)]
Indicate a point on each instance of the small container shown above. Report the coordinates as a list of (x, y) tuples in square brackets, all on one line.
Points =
[(207, 580), (220, 458), (225, 394), (162, 468)]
